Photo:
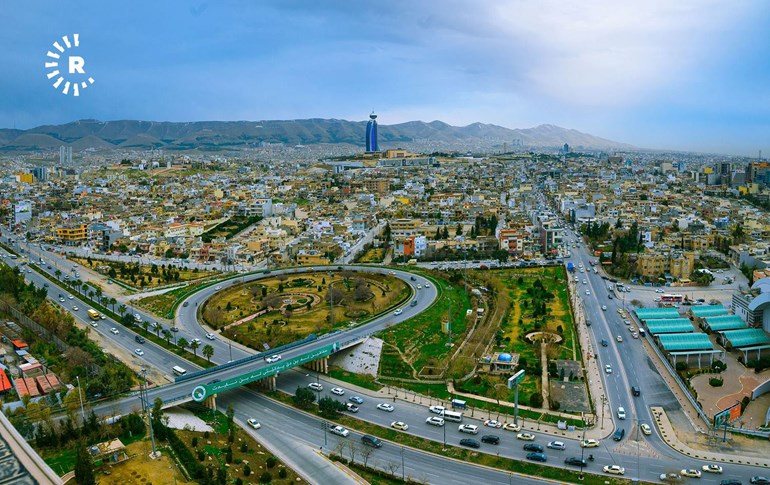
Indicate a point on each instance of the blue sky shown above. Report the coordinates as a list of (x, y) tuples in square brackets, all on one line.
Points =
[(687, 75)]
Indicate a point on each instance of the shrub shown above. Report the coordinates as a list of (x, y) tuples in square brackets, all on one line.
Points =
[(271, 462), (247, 470), (681, 366), (244, 447), (282, 473), (535, 400), (265, 478), (195, 442), (201, 455), (716, 382)]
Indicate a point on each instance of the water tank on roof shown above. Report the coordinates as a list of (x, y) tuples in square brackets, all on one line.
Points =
[(505, 358)]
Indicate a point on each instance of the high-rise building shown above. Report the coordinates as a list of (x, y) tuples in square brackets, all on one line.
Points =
[(40, 173), (371, 134), (65, 155)]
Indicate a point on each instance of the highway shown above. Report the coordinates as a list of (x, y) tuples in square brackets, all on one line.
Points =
[(630, 367)]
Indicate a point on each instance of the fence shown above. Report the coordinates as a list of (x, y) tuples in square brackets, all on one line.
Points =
[(35, 327)]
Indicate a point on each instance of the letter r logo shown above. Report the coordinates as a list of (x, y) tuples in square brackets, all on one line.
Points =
[(76, 65)]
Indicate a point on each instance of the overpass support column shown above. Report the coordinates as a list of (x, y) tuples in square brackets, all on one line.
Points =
[(270, 383), (211, 402), (324, 365)]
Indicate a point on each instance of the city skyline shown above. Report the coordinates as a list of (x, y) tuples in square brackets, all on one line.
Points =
[(689, 76)]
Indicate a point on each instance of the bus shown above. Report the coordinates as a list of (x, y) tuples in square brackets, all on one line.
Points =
[(452, 416), (667, 297), (93, 314), (179, 370)]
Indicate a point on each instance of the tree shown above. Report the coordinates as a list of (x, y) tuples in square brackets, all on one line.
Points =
[(84, 466), (194, 346), (145, 326), (182, 343), (208, 351), (445, 234), (230, 413), (330, 407), (459, 230), (122, 309), (303, 397)]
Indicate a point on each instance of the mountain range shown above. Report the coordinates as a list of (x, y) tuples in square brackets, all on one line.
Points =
[(229, 135)]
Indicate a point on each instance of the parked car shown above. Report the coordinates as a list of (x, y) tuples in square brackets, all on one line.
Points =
[(493, 423)]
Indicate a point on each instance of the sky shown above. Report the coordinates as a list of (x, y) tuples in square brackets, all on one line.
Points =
[(685, 75)]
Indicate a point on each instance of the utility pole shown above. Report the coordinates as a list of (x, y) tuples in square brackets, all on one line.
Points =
[(149, 416), (80, 393)]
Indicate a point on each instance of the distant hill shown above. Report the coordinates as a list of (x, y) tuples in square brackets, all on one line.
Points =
[(242, 134)]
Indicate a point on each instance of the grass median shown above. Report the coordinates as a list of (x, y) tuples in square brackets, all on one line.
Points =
[(484, 459)]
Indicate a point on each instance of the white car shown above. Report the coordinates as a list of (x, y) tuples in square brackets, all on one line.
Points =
[(614, 469), (70, 297), (435, 421), (339, 431), (621, 413), (648, 431), (588, 292), (690, 472), (712, 468), (526, 436), (254, 423), (512, 427), (585, 282), (383, 406), (437, 409), (195, 341), (468, 428), (619, 338), (660, 291), (315, 386), (139, 352), (338, 391), (556, 445), (75, 308), (493, 423), (589, 443), (217, 288), (210, 336), (273, 358), (114, 330), (608, 369), (604, 308), (397, 312), (94, 324), (427, 285)]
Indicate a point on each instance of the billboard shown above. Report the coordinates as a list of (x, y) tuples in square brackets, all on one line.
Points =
[(201, 392), (728, 415)]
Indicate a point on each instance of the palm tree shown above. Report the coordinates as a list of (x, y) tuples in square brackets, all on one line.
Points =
[(167, 334), (113, 301), (208, 351), (158, 329), (194, 346), (145, 326), (121, 308), (182, 342), (57, 273)]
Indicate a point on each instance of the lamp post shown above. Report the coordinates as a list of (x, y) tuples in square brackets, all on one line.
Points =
[(604, 401)]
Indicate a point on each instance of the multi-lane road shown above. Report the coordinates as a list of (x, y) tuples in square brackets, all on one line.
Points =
[(630, 363)]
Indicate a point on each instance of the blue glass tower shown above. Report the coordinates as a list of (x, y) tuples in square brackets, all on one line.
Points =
[(371, 134)]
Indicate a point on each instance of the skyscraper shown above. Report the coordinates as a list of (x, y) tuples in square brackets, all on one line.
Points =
[(65, 155), (371, 134)]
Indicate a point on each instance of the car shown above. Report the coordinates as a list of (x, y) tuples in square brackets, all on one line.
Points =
[(95, 324), (619, 338), (608, 369), (315, 386), (470, 443), (399, 425), (604, 343), (609, 296), (70, 297), (614, 469), (397, 312), (588, 292), (712, 468), (759, 480), (187, 303), (338, 391), (351, 408), (730, 481), (618, 434), (627, 321), (195, 341), (645, 429), (139, 352), (585, 282), (657, 300), (273, 358), (604, 308), (61, 299), (621, 413), (253, 423), (383, 406), (493, 423), (339, 431), (512, 427), (525, 436), (412, 278), (537, 457), (174, 329), (214, 381), (690, 472), (490, 439), (217, 288), (575, 461), (659, 290), (556, 445), (468, 428), (634, 335), (632, 329), (437, 409), (435, 421), (533, 447), (139, 339), (356, 399), (419, 287), (45, 285), (114, 330), (427, 285), (670, 477), (703, 300), (75, 308), (372, 441), (210, 336), (589, 443)]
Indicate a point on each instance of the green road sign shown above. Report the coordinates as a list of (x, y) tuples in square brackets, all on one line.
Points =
[(201, 392), (516, 379)]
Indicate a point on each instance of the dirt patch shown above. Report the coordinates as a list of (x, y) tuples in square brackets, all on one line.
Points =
[(140, 469)]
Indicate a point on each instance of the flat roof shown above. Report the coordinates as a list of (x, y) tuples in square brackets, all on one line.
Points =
[(677, 342), (702, 311), (669, 325), (725, 322)]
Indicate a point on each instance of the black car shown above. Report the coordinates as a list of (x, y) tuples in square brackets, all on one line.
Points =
[(604, 343), (491, 439), (609, 295), (636, 391), (760, 480), (537, 457), (619, 434), (174, 329), (372, 441), (214, 381), (413, 278), (471, 443), (574, 460), (730, 481), (533, 447), (139, 339)]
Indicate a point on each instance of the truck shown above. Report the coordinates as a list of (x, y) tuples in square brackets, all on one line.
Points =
[(93, 314), (570, 267)]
